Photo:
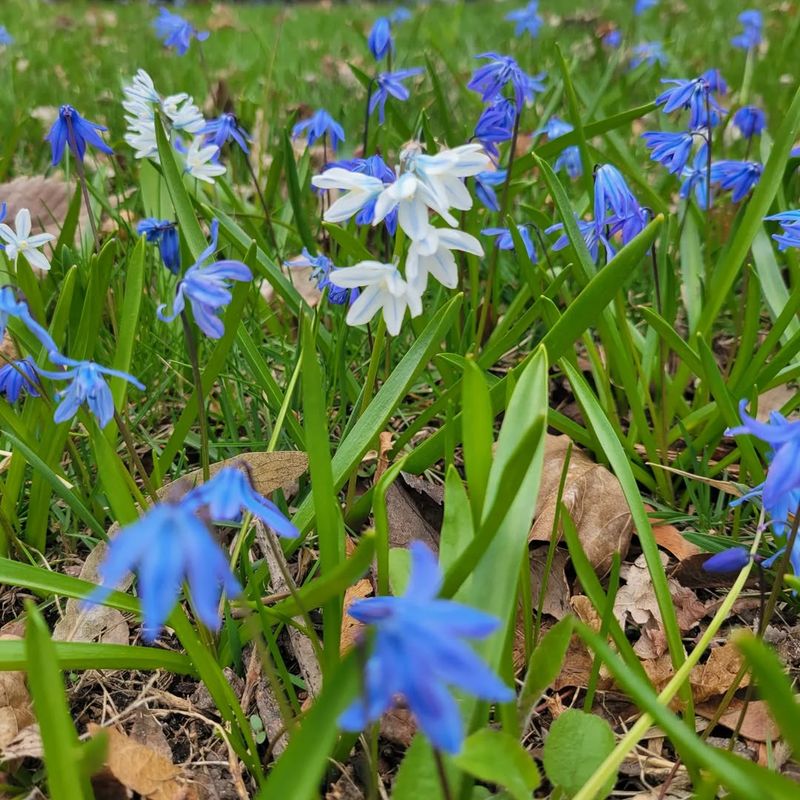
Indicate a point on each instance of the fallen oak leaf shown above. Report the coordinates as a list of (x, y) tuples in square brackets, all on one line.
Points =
[(16, 713)]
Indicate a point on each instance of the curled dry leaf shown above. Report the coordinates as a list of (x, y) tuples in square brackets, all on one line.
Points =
[(350, 626), (758, 725), (16, 713), (142, 770), (594, 499)]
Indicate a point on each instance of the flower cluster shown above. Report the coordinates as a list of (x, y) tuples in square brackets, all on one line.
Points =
[(182, 117), (421, 184), (171, 543)]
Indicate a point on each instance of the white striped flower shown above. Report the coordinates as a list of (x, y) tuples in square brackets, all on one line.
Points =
[(21, 243), (432, 254)]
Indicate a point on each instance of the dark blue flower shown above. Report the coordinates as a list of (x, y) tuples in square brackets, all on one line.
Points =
[(790, 222), (715, 81), (650, 53), (176, 32), (616, 209), (87, 386), (496, 124), (670, 149), (319, 124), (400, 14), (208, 289), (229, 493), (644, 5), (593, 236), (165, 233), (380, 38), (170, 544), (484, 187), (613, 38), (750, 120), (739, 177), (71, 130), (694, 94), (570, 157), (505, 241), (5, 37), (503, 71), (752, 25), (18, 376), (695, 178), (527, 19), (731, 560), (321, 267), (418, 651), (390, 83), (223, 129)]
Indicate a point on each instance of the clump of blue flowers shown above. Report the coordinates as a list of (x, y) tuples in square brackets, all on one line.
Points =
[(418, 650)]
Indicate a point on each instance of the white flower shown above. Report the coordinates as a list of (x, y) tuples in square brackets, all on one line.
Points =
[(384, 289), (20, 242), (199, 160), (142, 88), (359, 190), (183, 113), (432, 254), (430, 182)]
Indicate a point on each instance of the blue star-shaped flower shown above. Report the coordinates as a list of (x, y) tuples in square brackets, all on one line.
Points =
[(670, 149), (165, 234), (176, 32), (739, 177), (418, 651), (17, 377), (752, 23), (226, 128), (390, 83), (501, 71), (505, 241), (208, 288), (527, 19), (319, 124), (750, 120)]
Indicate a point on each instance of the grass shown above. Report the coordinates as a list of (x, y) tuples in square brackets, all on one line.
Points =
[(640, 359)]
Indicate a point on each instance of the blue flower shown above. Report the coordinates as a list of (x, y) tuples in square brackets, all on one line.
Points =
[(527, 19), (615, 207), (229, 493), (380, 38), (790, 222), (650, 53), (87, 386), (570, 157), (695, 178), (731, 560), (71, 130), (737, 176), (505, 241), (390, 83), (223, 129), (713, 77), (752, 25), (484, 187), (176, 32), (400, 14), (170, 544), (12, 306), (319, 124), (208, 289), (5, 37), (491, 79), (592, 234), (644, 5), (321, 267), (613, 38), (495, 124), (18, 376), (670, 149), (750, 120), (165, 233), (418, 651), (695, 95)]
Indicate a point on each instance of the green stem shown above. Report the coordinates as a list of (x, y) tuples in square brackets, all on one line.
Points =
[(447, 792), (127, 437), (191, 349)]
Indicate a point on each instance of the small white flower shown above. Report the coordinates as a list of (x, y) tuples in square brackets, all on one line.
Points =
[(199, 160), (384, 289), (432, 255), (430, 182), (183, 113), (359, 190), (20, 242), (142, 88)]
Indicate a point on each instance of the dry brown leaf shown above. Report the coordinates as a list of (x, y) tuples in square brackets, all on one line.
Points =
[(141, 769), (301, 280), (147, 730), (26, 744), (16, 713), (774, 400), (556, 594), (758, 725), (585, 611), (671, 539), (398, 726), (594, 499), (350, 626), (716, 676), (267, 471), (406, 520)]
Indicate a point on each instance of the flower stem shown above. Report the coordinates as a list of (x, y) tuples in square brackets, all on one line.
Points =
[(267, 216), (447, 792), (82, 179), (131, 447), (366, 118), (487, 303), (191, 349)]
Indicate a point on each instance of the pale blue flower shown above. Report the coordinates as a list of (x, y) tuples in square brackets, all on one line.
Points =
[(650, 53), (176, 32), (390, 83), (320, 124), (503, 239), (526, 19), (752, 23)]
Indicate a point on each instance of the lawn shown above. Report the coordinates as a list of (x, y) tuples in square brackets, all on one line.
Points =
[(387, 378)]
